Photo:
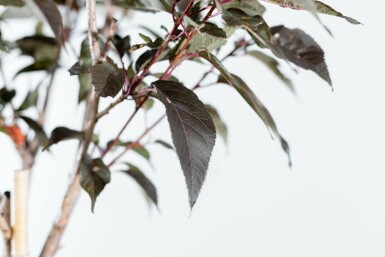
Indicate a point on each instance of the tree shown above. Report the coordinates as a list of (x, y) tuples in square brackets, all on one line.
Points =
[(109, 66)]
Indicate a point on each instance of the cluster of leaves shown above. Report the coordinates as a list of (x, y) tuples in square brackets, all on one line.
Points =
[(195, 36)]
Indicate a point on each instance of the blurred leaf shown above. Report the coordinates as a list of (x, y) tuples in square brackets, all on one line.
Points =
[(317, 7), (213, 30), (308, 5), (143, 182), (16, 13), (251, 7), (145, 5), (193, 132), (326, 9), (85, 51), (75, 69), (122, 44), (37, 66), (41, 48), (30, 100), (211, 37), (6, 96), (36, 127), (61, 134), (84, 86), (151, 44), (299, 48), (52, 15), (17, 3), (107, 79), (255, 25), (94, 176), (148, 104), (220, 126), (164, 144), (142, 151), (247, 94), (273, 65)]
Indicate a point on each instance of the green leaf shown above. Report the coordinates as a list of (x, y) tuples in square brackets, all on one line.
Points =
[(137, 148), (251, 7), (146, 184), (85, 51), (273, 65), (142, 151), (219, 66), (146, 5), (299, 48), (260, 109), (213, 30), (30, 100), (254, 25), (37, 66), (107, 79), (151, 44), (164, 144), (193, 132), (41, 48), (16, 3), (51, 13), (42, 137), (94, 176), (210, 38), (308, 5), (84, 86), (220, 126), (326, 9), (61, 134), (318, 6)]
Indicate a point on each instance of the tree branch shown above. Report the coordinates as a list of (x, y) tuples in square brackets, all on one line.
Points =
[(52, 243)]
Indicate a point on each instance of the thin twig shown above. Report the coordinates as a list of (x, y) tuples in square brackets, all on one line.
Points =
[(109, 108), (133, 144), (112, 144)]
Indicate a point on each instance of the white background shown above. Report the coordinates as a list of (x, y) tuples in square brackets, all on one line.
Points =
[(330, 204)]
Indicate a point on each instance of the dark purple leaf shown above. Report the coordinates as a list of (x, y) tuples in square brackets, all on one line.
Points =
[(299, 48), (107, 79), (143, 181), (193, 132), (94, 176), (60, 134)]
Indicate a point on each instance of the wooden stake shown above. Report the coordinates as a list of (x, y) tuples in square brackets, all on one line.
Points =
[(20, 228)]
